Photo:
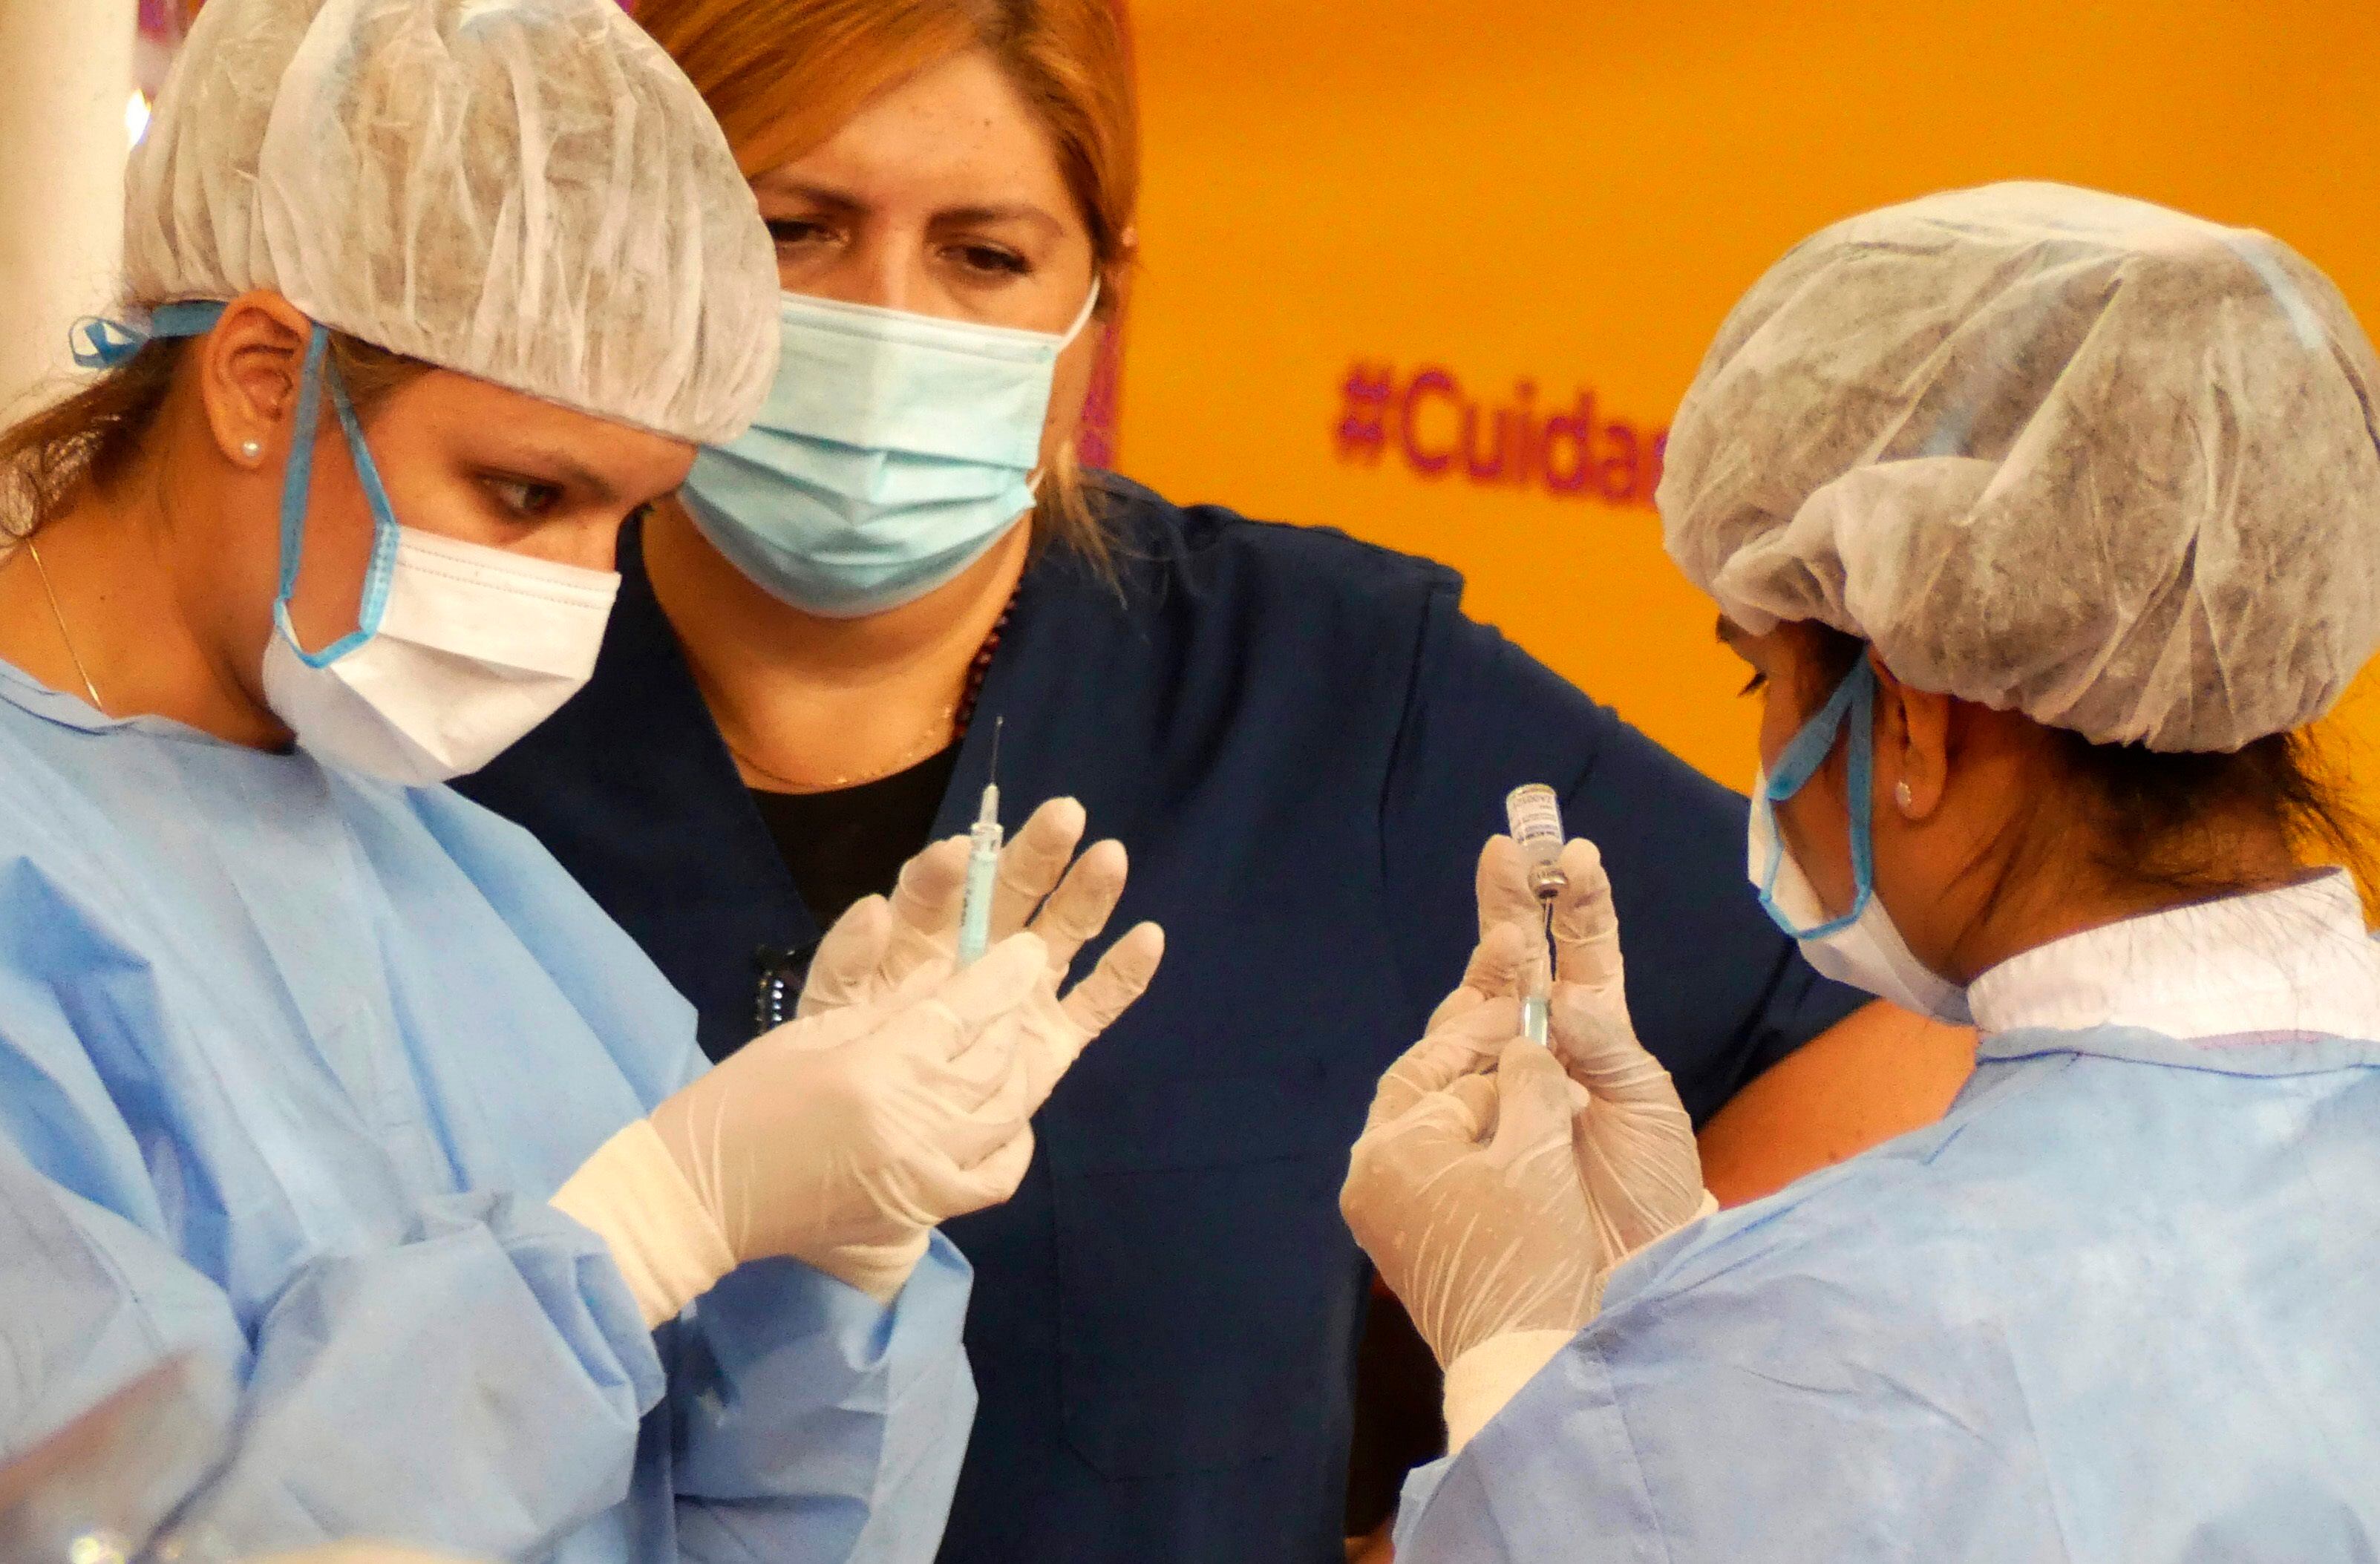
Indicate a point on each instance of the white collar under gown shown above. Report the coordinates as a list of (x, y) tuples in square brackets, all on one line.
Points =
[(289, 1063), (2121, 1303)]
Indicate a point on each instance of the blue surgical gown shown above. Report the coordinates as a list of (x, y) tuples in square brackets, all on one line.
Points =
[(289, 1063), (2123, 1302), (1303, 740)]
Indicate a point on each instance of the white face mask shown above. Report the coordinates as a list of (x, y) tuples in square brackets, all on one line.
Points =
[(1866, 952), (471, 648), (1862, 947), (459, 650)]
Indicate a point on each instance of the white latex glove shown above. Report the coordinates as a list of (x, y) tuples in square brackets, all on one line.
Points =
[(840, 1140), (1635, 1142), (1635, 1165), (876, 945), (1467, 1193)]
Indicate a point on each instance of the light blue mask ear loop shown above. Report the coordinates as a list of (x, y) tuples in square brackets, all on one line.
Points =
[(107, 344), (1853, 699), (297, 485)]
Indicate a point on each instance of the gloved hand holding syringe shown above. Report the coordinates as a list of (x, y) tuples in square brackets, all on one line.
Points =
[(909, 1084), (1499, 1181), (965, 894)]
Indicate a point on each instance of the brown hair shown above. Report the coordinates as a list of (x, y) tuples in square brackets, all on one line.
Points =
[(782, 74), (94, 434), (2153, 818)]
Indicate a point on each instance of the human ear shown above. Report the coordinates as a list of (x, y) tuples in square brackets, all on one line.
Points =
[(1116, 276), (249, 370), (1913, 750)]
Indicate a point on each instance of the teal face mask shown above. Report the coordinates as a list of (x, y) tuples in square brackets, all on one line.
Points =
[(893, 452)]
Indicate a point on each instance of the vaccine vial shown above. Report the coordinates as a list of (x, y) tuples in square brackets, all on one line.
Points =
[(1534, 815)]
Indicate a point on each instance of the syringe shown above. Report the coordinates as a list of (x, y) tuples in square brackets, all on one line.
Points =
[(983, 864), (1534, 813)]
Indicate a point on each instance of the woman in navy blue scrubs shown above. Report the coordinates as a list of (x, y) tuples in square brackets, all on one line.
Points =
[(1301, 738)]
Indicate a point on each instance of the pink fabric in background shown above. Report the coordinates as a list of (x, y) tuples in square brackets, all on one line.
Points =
[(167, 21), (1099, 444)]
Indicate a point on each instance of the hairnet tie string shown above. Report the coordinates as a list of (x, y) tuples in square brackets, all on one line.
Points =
[(110, 343), (105, 344)]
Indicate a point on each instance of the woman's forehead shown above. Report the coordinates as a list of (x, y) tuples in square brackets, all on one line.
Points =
[(956, 132)]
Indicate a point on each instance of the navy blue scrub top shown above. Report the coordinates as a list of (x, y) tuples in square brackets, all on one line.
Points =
[(1303, 742)]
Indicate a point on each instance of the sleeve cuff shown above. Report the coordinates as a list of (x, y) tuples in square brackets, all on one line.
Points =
[(633, 1195), (1480, 1381)]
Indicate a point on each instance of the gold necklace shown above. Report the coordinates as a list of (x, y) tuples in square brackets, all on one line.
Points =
[(949, 728), (936, 738), (55, 613)]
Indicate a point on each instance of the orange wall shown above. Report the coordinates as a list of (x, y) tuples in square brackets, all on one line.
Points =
[(1574, 194)]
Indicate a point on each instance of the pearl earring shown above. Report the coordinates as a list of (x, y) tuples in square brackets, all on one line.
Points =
[(251, 449), (1901, 796)]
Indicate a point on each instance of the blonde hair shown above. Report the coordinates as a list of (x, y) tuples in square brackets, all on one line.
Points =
[(783, 75)]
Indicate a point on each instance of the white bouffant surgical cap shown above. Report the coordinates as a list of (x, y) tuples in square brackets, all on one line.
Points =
[(528, 191), (2050, 451)]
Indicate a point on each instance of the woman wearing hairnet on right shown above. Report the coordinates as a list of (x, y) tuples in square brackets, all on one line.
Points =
[(2044, 519)]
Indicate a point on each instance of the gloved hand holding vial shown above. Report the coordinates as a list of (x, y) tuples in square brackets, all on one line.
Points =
[(1495, 1214)]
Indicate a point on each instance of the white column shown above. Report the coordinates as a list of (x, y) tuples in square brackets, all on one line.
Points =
[(66, 76)]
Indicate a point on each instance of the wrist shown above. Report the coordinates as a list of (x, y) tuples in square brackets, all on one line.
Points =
[(880, 1270), (1482, 1378), (634, 1195)]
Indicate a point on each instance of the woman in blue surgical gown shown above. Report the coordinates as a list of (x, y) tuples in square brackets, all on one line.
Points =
[(308, 1064), (2046, 520)]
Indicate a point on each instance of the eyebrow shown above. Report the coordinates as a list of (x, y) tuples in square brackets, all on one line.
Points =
[(1015, 211), (552, 465), (824, 195), (845, 200), (1726, 632)]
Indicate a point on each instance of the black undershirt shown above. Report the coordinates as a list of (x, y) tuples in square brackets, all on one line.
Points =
[(850, 843)]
